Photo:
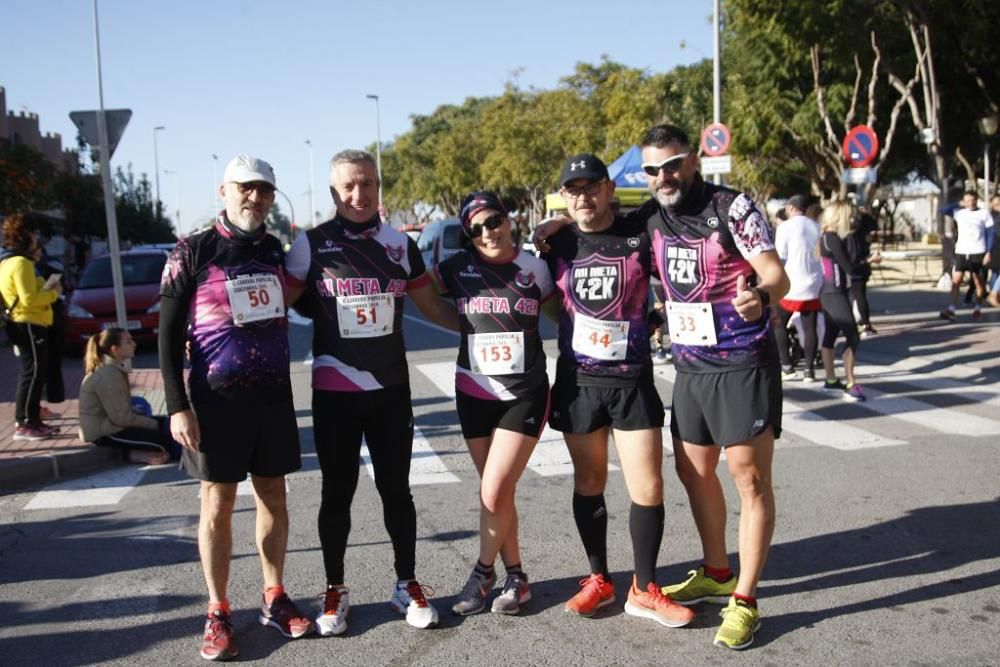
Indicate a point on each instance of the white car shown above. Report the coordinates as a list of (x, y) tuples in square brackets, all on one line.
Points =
[(440, 240)]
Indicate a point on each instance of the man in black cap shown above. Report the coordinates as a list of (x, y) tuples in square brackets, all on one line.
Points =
[(604, 384)]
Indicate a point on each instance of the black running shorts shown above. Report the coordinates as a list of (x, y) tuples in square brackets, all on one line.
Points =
[(240, 437), (580, 408), (480, 416), (973, 263), (726, 408)]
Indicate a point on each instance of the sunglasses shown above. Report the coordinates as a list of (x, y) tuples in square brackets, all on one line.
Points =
[(491, 223), (671, 165), (590, 189), (262, 188)]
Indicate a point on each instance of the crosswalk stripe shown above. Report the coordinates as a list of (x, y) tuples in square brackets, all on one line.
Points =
[(103, 488), (426, 467)]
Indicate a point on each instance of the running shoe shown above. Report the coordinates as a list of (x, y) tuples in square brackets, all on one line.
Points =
[(661, 356), (32, 432), (336, 605), (869, 330), (653, 604), (739, 623), (472, 599), (808, 375), (699, 587), (834, 385), (948, 314), (976, 313), (790, 373), (286, 617), (410, 598), (218, 642), (515, 593), (595, 592), (853, 392)]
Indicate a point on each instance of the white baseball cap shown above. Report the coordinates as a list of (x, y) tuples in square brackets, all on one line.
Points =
[(246, 169)]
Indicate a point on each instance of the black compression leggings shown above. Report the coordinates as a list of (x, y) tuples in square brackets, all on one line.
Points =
[(859, 294), (385, 419), (809, 341), (839, 319)]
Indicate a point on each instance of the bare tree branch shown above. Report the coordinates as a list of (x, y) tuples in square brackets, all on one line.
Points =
[(872, 81), (820, 99), (970, 173), (849, 118)]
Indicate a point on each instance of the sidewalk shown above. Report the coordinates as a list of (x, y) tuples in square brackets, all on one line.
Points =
[(30, 463)]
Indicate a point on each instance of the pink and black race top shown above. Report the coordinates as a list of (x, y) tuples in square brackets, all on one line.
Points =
[(230, 286), (700, 247), (500, 356), (603, 281), (355, 277)]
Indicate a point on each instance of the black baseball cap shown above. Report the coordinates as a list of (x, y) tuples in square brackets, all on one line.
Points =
[(584, 165), (802, 202)]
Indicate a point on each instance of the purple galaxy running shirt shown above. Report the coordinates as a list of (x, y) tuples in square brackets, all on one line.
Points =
[(355, 278), (603, 282), (237, 326), (700, 247), (500, 356)]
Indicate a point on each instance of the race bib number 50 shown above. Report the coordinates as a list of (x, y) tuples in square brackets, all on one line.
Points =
[(254, 297), (497, 353), (600, 339), (366, 315)]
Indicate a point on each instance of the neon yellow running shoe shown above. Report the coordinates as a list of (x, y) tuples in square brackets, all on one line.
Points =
[(739, 623), (700, 588)]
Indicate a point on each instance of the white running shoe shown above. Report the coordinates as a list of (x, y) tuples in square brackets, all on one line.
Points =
[(515, 593), (336, 605), (410, 598)]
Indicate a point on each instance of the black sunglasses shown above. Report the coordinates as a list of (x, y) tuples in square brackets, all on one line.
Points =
[(671, 165), (262, 188), (490, 223)]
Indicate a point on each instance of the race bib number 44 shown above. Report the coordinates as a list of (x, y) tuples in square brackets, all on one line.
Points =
[(691, 323), (497, 353), (600, 339), (366, 315), (255, 297)]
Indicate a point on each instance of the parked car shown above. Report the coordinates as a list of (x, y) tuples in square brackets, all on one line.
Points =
[(92, 305), (440, 240)]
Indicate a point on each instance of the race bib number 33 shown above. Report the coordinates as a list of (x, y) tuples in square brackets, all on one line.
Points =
[(366, 315), (691, 323), (600, 339), (497, 353), (254, 297)]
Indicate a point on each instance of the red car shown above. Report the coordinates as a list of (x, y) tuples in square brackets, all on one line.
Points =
[(92, 305)]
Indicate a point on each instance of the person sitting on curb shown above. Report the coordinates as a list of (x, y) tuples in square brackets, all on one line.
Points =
[(108, 417)]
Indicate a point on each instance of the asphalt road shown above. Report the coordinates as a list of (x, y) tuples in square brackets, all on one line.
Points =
[(887, 549)]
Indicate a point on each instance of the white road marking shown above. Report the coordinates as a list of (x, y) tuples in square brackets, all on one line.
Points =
[(426, 467), (103, 488), (245, 488)]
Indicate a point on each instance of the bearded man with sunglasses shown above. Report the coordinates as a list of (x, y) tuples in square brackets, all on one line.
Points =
[(715, 254), (353, 272), (604, 385), (223, 301)]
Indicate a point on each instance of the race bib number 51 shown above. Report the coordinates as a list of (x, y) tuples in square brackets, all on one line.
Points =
[(497, 353), (600, 339), (254, 297), (366, 315)]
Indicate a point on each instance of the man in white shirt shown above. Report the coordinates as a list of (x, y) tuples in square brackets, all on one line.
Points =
[(974, 239), (795, 241)]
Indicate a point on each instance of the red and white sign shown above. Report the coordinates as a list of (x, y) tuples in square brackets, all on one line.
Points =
[(715, 139)]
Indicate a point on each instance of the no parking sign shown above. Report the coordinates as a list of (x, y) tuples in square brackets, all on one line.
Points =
[(860, 146)]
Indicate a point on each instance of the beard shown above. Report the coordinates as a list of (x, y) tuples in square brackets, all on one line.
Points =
[(669, 201)]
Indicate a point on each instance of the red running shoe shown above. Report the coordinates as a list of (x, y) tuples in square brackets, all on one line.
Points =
[(286, 617), (595, 592), (652, 603), (218, 642)]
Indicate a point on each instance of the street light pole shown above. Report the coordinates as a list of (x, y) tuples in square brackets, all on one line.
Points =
[(989, 125), (378, 151), (310, 220), (215, 183), (177, 196), (156, 166)]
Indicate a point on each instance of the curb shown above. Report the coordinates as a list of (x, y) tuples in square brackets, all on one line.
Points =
[(38, 469)]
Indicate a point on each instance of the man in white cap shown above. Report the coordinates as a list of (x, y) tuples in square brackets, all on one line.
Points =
[(223, 298)]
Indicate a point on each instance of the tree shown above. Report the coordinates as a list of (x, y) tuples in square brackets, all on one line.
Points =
[(26, 178), (137, 221), (278, 223)]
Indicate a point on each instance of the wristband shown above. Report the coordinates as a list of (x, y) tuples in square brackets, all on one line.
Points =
[(765, 298)]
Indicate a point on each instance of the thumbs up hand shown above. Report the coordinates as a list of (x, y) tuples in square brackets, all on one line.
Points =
[(748, 302)]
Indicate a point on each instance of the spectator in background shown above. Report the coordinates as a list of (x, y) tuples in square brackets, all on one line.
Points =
[(75, 257), (29, 300), (835, 225), (859, 246), (994, 281), (55, 388), (973, 243), (107, 417)]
